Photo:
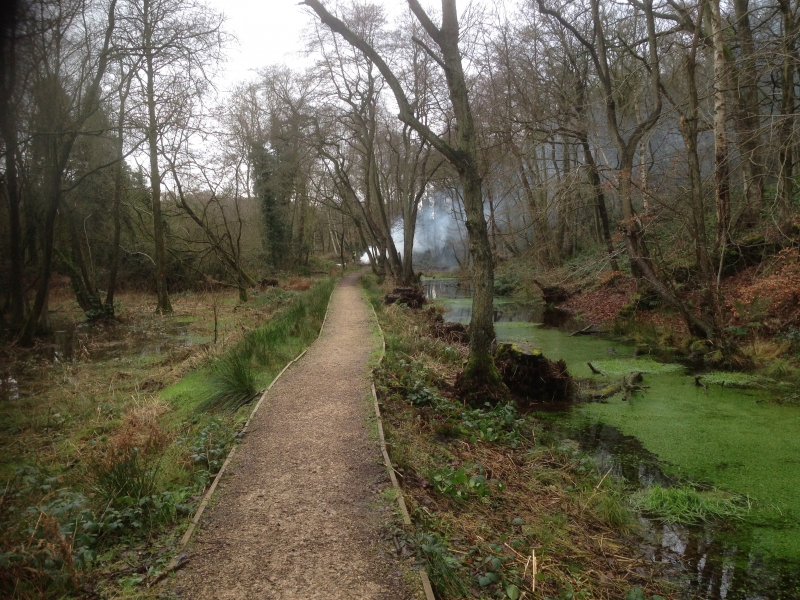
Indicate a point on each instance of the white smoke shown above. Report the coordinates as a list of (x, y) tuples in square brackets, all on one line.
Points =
[(438, 235)]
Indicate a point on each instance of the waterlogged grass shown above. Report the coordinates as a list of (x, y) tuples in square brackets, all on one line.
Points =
[(235, 377), (737, 380), (687, 505), (625, 366)]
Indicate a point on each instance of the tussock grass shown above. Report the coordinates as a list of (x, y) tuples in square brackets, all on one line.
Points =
[(687, 505), (126, 464), (232, 382), (235, 378)]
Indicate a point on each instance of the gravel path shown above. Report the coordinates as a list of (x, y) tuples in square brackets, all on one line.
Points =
[(299, 512)]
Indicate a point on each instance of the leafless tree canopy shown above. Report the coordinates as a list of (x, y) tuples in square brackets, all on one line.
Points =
[(643, 135)]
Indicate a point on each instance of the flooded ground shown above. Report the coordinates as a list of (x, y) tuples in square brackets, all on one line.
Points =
[(719, 436), (85, 368), (110, 340)]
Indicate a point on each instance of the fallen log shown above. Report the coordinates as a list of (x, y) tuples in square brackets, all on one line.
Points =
[(588, 330), (627, 385)]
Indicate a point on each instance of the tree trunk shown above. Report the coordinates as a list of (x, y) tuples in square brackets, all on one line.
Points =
[(599, 197), (480, 367), (32, 323), (409, 231), (723, 198), (13, 14), (15, 285), (689, 130), (82, 284), (117, 201), (163, 305), (748, 116), (785, 182)]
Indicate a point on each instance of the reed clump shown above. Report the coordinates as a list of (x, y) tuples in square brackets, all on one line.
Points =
[(687, 505), (235, 378)]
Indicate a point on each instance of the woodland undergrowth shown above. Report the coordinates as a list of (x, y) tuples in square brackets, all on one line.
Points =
[(97, 509)]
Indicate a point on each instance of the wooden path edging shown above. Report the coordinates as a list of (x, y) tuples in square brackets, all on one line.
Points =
[(423, 574), (177, 560)]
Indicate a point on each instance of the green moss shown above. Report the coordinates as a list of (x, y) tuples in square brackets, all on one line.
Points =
[(723, 437), (624, 366), (736, 380)]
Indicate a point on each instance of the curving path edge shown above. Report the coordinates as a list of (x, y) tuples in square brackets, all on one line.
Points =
[(299, 514)]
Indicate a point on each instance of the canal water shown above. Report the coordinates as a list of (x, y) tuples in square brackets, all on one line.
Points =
[(731, 435)]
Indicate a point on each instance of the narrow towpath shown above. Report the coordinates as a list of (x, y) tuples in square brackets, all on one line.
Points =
[(298, 514)]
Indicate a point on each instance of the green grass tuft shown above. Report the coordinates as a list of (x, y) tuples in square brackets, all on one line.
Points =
[(235, 378), (232, 382), (689, 506)]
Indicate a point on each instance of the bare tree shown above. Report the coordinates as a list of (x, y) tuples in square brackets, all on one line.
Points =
[(462, 153), (178, 43), (631, 225), (60, 119)]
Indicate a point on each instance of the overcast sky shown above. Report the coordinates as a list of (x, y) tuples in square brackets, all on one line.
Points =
[(271, 31), (268, 32)]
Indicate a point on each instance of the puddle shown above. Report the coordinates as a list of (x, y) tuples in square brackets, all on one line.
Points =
[(109, 341), (9, 388)]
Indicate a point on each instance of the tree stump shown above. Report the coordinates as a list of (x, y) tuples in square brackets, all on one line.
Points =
[(411, 297), (268, 283), (531, 376), (453, 333)]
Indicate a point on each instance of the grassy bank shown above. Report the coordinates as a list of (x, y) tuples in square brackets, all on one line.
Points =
[(106, 456), (499, 508)]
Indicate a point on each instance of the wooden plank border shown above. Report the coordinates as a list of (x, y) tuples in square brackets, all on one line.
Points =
[(423, 574), (177, 559)]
